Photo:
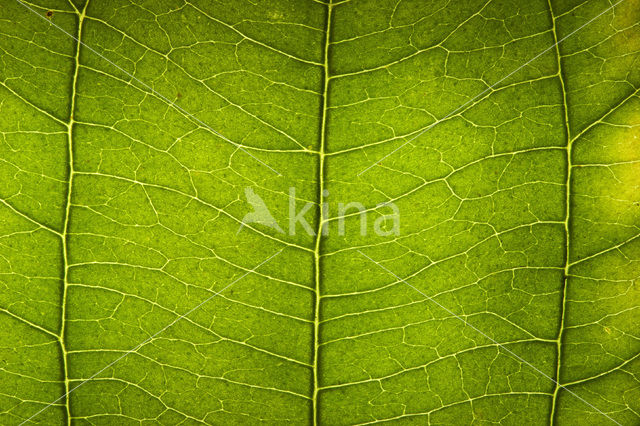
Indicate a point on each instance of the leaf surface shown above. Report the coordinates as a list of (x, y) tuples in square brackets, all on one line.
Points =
[(506, 132)]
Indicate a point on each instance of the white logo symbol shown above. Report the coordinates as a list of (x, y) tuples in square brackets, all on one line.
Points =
[(260, 213)]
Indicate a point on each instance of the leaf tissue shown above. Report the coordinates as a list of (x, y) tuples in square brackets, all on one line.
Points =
[(320, 212)]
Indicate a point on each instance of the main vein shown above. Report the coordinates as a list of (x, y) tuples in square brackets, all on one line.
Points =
[(569, 165), (65, 229), (321, 218)]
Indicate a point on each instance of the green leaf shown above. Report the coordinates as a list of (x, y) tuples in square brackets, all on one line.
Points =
[(148, 269)]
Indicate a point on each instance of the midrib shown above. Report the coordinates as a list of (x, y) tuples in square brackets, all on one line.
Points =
[(569, 165), (321, 218), (65, 229)]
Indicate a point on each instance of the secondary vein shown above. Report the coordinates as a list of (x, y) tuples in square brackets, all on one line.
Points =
[(321, 218), (65, 229), (565, 278)]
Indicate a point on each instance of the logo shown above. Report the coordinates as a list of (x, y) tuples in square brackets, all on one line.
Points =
[(260, 213), (386, 224)]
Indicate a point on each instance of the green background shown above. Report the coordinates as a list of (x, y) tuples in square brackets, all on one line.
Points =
[(120, 206)]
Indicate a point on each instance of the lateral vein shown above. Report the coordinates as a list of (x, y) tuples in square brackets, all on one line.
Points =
[(321, 218), (65, 228), (567, 235)]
